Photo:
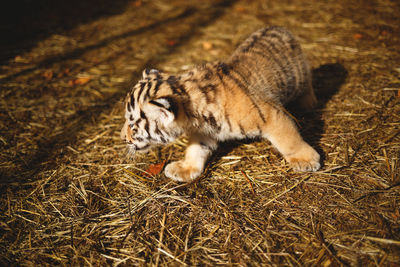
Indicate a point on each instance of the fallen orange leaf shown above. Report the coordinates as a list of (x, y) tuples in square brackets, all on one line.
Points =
[(48, 75), (80, 80), (396, 215), (155, 169), (207, 45), (240, 9), (18, 59), (171, 42), (357, 36)]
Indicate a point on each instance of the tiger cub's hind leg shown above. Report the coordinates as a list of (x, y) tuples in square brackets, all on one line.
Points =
[(281, 131), (196, 155)]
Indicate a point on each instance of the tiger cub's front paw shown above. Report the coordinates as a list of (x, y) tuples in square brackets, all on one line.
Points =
[(181, 171), (306, 159)]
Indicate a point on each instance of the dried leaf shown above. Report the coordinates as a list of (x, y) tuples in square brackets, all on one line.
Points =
[(155, 169), (19, 59), (80, 80), (384, 33), (207, 45), (396, 215), (240, 9), (357, 36), (48, 75), (171, 42)]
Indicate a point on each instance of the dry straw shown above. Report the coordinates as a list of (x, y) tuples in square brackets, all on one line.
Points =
[(71, 196)]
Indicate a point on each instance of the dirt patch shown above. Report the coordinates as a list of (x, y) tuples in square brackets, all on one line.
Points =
[(69, 194)]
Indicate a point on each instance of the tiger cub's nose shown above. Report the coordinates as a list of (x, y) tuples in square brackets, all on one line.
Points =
[(126, 133)]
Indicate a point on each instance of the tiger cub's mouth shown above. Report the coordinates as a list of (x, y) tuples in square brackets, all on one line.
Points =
[(134, 149)]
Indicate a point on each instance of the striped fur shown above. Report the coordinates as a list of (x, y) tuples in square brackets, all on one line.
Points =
[(242, 97)]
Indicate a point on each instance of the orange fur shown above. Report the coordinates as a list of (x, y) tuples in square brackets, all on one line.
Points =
[(240, 98)]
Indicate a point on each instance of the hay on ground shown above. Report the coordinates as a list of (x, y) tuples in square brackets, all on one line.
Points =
[(70, 196)]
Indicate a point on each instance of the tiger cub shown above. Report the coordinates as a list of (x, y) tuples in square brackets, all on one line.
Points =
[(241, 97)]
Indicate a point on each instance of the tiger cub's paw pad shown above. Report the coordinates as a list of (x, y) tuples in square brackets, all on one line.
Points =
[(305, 162), (181, 172)]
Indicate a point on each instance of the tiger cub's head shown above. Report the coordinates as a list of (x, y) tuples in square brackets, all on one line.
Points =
[(151, 111)]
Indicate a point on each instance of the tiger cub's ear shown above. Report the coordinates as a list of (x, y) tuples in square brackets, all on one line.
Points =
[(147, 72), (165, 109)]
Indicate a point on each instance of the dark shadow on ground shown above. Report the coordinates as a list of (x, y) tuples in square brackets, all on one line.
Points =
[(327, 80), (49, 150), (78, 52), (25, 22)]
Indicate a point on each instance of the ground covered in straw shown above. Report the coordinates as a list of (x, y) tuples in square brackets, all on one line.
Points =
[(70, 196)]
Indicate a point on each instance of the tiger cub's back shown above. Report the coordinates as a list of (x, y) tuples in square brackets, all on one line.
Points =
[(271, 64)]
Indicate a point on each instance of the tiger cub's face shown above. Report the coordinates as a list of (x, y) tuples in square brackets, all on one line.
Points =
[(150, 113)]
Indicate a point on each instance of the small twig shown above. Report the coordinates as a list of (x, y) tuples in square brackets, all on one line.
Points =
[(137, 176), (376, 192), (161, 238), (383, 240), (72, 234), (328, 248), (248, 180), (171, 256)]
